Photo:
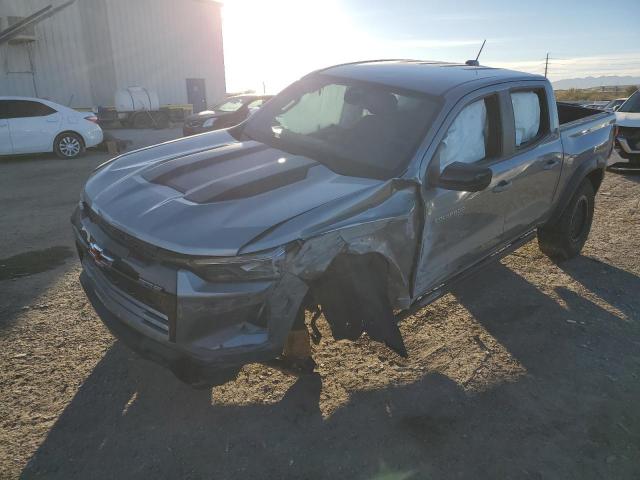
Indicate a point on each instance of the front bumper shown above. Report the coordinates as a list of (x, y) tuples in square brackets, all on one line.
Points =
[(200, 330)]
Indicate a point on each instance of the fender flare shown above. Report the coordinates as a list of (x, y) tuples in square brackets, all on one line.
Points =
[(586, 170)]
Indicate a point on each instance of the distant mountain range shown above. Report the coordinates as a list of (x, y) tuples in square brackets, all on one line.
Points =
[(591, 82)]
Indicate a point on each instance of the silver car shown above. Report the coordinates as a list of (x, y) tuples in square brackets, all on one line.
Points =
[(362, 191)]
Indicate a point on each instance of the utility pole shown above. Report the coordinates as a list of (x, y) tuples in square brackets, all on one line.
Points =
[(546, 65)]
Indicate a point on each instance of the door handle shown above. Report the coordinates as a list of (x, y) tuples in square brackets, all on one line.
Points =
[(502, 186), (552, 163)]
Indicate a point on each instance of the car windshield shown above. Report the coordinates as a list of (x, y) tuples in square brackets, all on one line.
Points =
[(354, 128), (632, 105), (230, 105)]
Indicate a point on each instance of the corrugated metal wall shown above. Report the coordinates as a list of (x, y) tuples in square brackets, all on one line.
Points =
[(60, 66), (94, 47), (160, 43)]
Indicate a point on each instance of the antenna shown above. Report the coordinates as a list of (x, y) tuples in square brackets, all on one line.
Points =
[(476, 63), (546, 65)]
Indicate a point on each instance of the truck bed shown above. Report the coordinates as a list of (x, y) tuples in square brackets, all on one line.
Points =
[(569, 112)]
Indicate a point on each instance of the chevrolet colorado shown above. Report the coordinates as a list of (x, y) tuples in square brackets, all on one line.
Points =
[(363, 191)]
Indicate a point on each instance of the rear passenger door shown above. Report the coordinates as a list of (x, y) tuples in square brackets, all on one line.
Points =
[(535, 165), (461, 228), (33, 126)]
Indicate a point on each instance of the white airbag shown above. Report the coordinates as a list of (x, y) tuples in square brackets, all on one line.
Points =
[(465, 139), (526, 110)]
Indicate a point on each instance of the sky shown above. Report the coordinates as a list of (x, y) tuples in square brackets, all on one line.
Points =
[(271, 43)]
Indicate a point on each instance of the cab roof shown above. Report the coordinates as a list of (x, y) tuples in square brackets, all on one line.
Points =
[(433, 78)]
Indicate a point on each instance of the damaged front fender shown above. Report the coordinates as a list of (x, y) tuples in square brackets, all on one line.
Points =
[(359, 265)]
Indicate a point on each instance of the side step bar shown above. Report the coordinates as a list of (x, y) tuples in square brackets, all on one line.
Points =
[(432, 295)]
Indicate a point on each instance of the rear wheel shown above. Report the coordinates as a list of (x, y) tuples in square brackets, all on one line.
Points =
[(565, 238), (68, 145)]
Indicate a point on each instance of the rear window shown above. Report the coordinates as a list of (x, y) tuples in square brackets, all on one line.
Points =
[(529, 115)]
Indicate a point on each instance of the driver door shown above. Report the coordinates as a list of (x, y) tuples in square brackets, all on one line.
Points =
[(461, 228)]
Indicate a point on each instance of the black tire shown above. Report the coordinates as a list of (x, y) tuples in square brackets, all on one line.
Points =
[(68, 145), (565, 238)]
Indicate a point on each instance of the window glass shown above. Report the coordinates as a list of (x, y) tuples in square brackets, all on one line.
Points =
[(26, 108), (526, 113), (229, 105), (467, 138), (354, 128), (256, 103), (632, 105)]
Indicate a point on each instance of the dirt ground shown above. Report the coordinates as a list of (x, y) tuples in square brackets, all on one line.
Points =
[(528, 370)]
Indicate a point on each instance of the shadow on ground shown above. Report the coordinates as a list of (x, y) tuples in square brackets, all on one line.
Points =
[(574, 415)]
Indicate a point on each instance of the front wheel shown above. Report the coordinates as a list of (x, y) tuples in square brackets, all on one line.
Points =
[(565, 238), (68, 145)]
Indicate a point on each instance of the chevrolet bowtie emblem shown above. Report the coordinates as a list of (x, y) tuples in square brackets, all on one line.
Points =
[(98, 255)]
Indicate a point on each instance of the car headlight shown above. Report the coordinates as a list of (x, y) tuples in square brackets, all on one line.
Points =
[(209, 122), (265, 265)]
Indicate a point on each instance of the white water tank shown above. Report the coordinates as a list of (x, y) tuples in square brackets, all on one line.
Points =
[(136, 99)]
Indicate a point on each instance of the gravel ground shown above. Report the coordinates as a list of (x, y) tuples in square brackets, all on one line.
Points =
[(528, 370)]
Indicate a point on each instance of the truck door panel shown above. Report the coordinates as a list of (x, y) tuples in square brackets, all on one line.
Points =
[(536, 163), (461, 228)]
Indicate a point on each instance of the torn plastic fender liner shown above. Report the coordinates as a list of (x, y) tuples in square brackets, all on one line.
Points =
[(353, 295)]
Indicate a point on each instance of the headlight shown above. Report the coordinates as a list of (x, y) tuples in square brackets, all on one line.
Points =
[(209, 122), (265, 265)]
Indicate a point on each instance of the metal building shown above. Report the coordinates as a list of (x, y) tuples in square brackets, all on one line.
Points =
[(79, 52)]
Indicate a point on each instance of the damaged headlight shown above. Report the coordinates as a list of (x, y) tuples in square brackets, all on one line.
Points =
[(265, 265)]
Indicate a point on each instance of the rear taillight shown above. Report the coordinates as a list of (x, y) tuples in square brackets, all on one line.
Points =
[(92, 118)]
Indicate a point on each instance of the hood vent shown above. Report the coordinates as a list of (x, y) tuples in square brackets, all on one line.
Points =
[(253, 187), (231, 173)]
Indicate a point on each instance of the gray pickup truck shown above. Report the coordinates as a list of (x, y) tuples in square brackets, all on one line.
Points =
[(363, 191)]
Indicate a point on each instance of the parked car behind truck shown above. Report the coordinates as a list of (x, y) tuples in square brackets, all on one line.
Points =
[(628, 122), (366, 190), (231, 111), (33, 125)]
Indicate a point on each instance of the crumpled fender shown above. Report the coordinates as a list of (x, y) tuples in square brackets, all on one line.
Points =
[(360, 264)]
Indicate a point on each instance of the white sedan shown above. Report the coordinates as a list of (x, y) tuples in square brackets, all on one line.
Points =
[(33, 125)]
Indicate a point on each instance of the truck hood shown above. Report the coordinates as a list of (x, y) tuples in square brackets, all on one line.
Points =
[(211, 195), (625, 119)]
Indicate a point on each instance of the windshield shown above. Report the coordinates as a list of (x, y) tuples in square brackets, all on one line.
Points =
[(229, 105), (632, 105), (354, 128)]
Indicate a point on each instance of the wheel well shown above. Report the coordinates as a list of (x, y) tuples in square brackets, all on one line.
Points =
[(354, 299), (55, 140), (596, 178)]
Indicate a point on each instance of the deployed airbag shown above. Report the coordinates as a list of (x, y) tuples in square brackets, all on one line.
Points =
[(466, 138), (526, 110)]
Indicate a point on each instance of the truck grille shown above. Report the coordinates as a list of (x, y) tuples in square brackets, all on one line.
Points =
[(117, 299), (632, 135), (154, 306)]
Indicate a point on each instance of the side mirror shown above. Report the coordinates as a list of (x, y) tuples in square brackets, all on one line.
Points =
[(464, 177), (615, 109)]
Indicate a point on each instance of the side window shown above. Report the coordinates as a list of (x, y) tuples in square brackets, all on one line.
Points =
[(256, 104), (529, 113), (26, 108), (473, 136)]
